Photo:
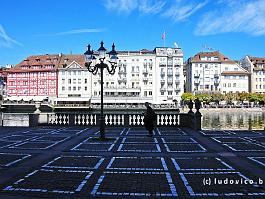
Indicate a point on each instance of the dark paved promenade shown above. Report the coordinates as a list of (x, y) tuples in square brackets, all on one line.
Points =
[(55, 162)]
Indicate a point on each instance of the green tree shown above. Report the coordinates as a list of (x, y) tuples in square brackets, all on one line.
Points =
[(217, 97), (185, 97), (243, 96), (204, 97), (229, 97), (255, 97)]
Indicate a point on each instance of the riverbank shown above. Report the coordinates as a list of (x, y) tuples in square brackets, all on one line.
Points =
[(206, 110)]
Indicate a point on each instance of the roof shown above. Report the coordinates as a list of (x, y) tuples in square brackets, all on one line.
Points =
[(221, 58), (235, 73), (55, 60), (68, 59)]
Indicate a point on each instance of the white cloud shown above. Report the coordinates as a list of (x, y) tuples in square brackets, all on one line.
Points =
[(237, 16), (122, 6), (77, 31), (5, 40), (127, 6), (181, 10), (151, 7)]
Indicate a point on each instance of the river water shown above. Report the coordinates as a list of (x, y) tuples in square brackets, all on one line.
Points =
[(233, 119)]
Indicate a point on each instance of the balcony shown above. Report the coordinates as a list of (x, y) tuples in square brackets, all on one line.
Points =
[(162, 74), (216, 82), (122, 72), (169, 74), (162, 80), (170, 88), (176, 65), (177, 74), (216, 76), (163, 89), (145, 78), (122, 79), (177, 89), (145, 71), (196, 75), (170, 80), (177, 81), (197, 82)]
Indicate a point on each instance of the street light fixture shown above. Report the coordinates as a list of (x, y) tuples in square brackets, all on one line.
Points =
[(93, 66)]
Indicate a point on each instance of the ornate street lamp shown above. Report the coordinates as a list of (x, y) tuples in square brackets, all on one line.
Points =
[(93, 65)]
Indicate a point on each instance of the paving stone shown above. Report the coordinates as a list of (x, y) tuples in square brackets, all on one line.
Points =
[(215, 132), (8, 159), (4, 144), (34, 145), (56, 181), (139, 140), (229, 139), (75, 162), (245, 147), (200, 164), (139, 147), (178, 139), (17, 138), (50, 138), (137, 163), (135, 184), (179, 147), (259, 160), (219, 184)]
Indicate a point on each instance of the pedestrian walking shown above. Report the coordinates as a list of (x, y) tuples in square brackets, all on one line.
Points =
[(149, 119)]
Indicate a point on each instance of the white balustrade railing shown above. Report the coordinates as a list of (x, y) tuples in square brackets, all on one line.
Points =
[(115, 119)]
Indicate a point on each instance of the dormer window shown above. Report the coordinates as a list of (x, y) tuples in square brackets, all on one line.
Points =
[(37, 59)]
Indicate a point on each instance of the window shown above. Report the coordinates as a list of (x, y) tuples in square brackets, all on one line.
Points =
[(234, 84), (150, 92), (63, 88), (85, 88), (63, 81), (69, 88), (162, 93), (79, 88), (85, 81), (224, 85), (63, 73), (69, 81), (74, 81), (145, 93), (74, 88), (79, 81), (229, 85), (169, 92)]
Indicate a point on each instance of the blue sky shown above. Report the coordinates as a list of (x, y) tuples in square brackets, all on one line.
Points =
[(30, 27)]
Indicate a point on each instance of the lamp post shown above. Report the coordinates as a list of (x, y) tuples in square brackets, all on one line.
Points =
[(93, 65)]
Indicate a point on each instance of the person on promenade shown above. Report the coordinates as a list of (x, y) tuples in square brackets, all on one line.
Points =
[(149, 119)]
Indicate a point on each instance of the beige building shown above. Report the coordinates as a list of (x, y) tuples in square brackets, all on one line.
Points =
[(256, 67), (214, 72)]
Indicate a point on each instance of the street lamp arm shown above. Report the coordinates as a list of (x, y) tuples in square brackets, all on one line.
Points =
[(92, 69), (112, 68)]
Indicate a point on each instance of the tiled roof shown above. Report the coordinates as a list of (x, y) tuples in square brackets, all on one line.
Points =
[(56, 60), (235, 73), (257, 60), (68, 59), (221, 58)]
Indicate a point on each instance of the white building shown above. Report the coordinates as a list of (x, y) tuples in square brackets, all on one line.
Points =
[(74, 81), (153, 76), (214, 72), (256, 67)]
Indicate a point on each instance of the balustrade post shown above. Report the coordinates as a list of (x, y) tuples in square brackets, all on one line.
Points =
[(126, 120), (71, 121)]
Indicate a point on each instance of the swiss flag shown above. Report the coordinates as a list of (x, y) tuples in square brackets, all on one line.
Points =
[(164, 35)]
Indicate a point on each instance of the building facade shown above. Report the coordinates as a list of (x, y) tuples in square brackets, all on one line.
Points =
[(74, 82), (154, 76), (35, 78), (214, 72), (256, 67)]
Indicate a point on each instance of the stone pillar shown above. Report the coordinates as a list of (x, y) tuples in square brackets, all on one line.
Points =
[(126, 120), (37, 105), (198, 115)]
